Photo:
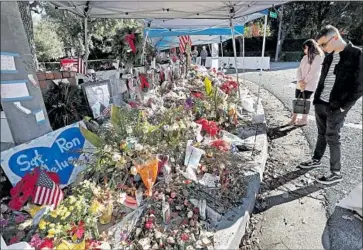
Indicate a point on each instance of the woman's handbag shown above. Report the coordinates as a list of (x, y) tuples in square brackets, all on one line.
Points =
[(301, 106)]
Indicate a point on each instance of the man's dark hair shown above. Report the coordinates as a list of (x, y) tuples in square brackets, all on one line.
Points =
[(327, 30)]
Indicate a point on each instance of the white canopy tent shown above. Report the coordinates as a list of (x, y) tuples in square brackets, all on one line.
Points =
[(201, 12), (165, 9)]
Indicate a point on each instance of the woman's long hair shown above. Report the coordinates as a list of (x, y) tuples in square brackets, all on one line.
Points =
[(313, 49)]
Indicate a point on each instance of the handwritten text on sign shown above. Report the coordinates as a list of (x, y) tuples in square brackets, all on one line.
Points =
[(55, 152)]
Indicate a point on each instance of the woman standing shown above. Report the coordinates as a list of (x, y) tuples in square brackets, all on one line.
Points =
[(308, 75)]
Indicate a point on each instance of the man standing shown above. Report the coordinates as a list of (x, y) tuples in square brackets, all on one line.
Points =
[(194, 55), (340, 86), (203, 56)]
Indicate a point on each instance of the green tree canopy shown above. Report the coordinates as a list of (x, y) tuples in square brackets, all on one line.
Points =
[(47, 42)]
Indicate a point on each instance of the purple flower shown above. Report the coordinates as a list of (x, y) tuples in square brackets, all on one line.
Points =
[(4, 222), (188, 103), (19, 219)]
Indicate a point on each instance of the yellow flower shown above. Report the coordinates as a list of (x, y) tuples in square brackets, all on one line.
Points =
[(42, 224), (94, 207), (51, 233), (51, 225), (71, 208), (54, 213), (59, 228)]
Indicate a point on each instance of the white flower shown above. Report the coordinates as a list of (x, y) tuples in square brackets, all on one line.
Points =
[(138, 147), (122, 197), (190, 214), (133, 170), (166, 127), (174, 127), (107, 148), (116, 157), (129, 129), (182, 125)]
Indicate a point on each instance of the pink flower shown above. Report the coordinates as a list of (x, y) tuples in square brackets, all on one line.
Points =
[(184, 222), (35, 241), (186, 203), (149, 224), (184, 237), (196, 210), (170, 200), (173, 195), (19, 219), (14, 240)]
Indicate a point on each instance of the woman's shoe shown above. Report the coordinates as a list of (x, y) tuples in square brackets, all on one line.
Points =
[(301, 123), (291, 123)]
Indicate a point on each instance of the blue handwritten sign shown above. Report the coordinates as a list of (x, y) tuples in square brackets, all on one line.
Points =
[(55, 152)]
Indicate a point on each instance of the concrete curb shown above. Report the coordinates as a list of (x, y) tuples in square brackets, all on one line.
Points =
[(232, 226)]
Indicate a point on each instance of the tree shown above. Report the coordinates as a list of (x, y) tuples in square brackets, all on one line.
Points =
[(70, 28), (25, 9), (47, 42)]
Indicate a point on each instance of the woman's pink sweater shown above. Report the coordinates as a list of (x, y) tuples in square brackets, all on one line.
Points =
[(310, 73)]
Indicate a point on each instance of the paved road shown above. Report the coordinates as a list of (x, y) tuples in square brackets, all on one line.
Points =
[(343, 234)]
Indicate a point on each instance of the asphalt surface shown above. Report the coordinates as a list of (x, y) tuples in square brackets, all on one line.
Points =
[(340, 233)]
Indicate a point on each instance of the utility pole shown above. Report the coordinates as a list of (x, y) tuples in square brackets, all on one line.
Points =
[(278, 46), (21, 97)]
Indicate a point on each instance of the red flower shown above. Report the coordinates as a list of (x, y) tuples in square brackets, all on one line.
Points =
[(229, 86), (209, 127), (78, 230), (197, 94), (221, 145), (184, 237), (13, 240), (48, 243), (187, 182), (92, 245), (16, 203)]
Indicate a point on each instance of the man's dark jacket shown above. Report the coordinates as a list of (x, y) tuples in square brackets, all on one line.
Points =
[(348, 86)]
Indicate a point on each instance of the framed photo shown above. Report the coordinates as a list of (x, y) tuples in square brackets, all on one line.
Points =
[(99, 97)]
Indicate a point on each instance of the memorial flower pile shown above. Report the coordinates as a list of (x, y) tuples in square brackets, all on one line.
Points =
[(161, 172)]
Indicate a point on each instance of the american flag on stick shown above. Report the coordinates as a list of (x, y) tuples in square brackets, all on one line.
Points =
[(81, 66), (47, 192), (183, 42)]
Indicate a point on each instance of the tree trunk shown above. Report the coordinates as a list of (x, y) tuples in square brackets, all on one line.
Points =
[(26, 16), (285, 32), (240, 42)]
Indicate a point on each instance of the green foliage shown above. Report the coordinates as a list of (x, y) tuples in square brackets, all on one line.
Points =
[(65, 105), (70, 29), (121, 48), (47, 42)]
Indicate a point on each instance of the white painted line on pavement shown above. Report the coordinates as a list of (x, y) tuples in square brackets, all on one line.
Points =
[(349, 125)]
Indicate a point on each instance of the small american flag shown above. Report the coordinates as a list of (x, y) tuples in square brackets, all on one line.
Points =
[(106, 112), (81, 66), (46, 191), (183, 42)]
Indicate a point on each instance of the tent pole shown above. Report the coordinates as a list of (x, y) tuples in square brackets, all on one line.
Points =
[(243, 55), (86, 41), (221, 45), (235, 57), (144, 45), (262, 56)]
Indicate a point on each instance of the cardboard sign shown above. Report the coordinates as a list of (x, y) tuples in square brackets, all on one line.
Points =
[(55, 152)]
